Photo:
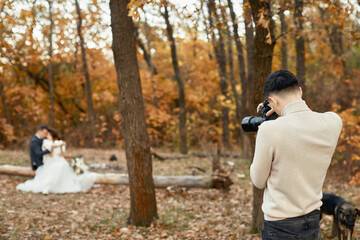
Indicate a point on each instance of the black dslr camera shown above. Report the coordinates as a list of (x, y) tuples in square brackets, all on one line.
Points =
[(251, 124)]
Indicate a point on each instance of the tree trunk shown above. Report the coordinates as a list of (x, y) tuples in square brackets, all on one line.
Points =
[(182, 113), (249, 91), (206, 26), (238, 110), (143, 210), (219, 50), (152, 67), (148, 59), (300, 44), (241, 59), (87, 79), (146, 52), (249, 35), (50, 76), (4, 103), (264, 47), (283, 38)]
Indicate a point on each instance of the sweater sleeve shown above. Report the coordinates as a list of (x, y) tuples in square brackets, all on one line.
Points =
[(263, 157)]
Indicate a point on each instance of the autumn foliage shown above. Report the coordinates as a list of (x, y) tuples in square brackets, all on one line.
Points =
[(332, 53)]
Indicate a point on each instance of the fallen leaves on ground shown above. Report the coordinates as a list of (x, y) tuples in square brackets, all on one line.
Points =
[(102, 212)]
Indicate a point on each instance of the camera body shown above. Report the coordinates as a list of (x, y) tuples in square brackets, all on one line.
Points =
[(252, 123)]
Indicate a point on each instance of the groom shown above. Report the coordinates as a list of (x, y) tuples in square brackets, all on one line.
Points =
[(36, 152)]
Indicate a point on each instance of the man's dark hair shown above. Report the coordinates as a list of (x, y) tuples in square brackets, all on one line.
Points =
[(280, 80), (42, 127)]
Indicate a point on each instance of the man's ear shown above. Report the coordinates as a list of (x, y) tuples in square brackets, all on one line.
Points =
[(301, 92), (274, 100)]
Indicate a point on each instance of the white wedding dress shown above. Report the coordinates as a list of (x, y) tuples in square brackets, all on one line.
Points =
[(56, 175)]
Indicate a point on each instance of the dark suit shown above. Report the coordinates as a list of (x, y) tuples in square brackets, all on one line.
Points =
[(36, 153)]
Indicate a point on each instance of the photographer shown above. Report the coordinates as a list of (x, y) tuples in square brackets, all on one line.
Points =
[(292, 155)]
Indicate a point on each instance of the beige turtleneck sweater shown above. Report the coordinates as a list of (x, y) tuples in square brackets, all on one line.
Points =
[(292, 155)]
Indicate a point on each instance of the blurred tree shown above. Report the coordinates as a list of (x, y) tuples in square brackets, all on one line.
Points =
[(249, 35), (240, 109), (283, 35), (50, 76), (182, 111), (300, 44), (4, 103), (219, 49), (264, 47), (89, 101)]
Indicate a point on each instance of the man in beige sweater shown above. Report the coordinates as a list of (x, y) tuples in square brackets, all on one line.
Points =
[(292, 155)]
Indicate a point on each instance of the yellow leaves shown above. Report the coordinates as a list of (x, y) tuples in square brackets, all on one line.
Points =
[(7, 133), (157, 118), (262, 20), (117, 117), (265, 24), (225, 101), (349, 141)]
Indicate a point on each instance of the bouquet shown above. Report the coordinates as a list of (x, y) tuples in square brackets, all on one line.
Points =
[(79, 166)]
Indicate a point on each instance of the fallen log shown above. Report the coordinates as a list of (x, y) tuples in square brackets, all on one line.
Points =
[(187, 181), (162, 157)]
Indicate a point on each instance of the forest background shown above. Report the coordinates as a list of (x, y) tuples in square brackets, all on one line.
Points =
[(57, 70)]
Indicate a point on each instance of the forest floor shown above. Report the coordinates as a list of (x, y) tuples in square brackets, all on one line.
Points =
[(102, 212)]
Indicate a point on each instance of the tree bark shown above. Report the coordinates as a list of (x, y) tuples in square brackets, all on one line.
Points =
[(247, 146), (182, 113), (283, 38), (264, 47), (300, 44), (238, 109), (143, 210), (4, 103), (87, 79), (146, 52), (50, 75), (152, 67), (148, 59), (249, 35), (219, 50), (241, 59)]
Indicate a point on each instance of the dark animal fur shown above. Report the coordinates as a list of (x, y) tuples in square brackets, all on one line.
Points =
[(344, 215)]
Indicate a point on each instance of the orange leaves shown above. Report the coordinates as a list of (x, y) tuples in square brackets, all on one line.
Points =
[(349, 141)]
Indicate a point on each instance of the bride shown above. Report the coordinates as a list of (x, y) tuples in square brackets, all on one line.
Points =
[(56, 175)]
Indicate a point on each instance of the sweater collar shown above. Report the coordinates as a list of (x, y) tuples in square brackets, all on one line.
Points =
[(298, 106)]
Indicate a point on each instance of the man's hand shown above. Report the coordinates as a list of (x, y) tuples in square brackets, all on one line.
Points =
[(271, 111)]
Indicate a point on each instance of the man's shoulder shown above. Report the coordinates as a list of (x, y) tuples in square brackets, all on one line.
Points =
[(269, 126), (334, 118), (333, 115), (35, 139)]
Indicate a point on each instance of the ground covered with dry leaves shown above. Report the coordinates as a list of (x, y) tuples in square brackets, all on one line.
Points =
[(102, 212)]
